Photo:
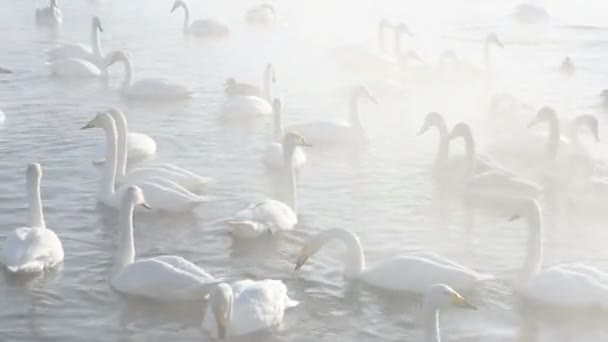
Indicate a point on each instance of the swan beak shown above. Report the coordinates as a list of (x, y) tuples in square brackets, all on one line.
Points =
[(301, 261), (174, 8), (87, 126), (423, 130), (533, 123), (373, 99), (514, 217), (461, 302), (146, 205)]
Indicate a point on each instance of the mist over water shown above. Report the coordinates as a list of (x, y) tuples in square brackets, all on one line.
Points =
[(383, 191)]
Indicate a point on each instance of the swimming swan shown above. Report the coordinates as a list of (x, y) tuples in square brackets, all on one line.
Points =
[(162, 278), (246, 101), (49, 16), (246, 307), (185, 178), (261, 15), (273, 156), (437, 297), (422, 269), (152, 89), (72, 68), (91, 53), (568, 286), (498, 183), (232, 87), (331, 133), (270, 216), (201, 28), (34, 248), (162, 194)]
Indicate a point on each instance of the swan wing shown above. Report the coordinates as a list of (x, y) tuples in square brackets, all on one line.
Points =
[(187, 266), (163, 195), (140, 146), (266, 216), (155, 278), (74, 68), (78, 51), (244, 107), (592, 272), (31, 250), (416, 274)]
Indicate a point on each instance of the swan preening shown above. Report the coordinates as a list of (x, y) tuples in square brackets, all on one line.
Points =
[(566, 285), (338, 133), (149, 89), (161, 193), (245, 307), (270, 216), (92, 53), (200, 28), (34, 248), (246, 101), (163, 278), (437, 297), (49, 16), (422, 269), (261, 15)]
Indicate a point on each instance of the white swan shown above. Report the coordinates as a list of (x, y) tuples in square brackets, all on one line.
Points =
[(246, 307), (162, 278), (34, 248), (261, 15), (270, 216), (49, 16), (152, 89), (437, 297), (232, 87), (91, 53), (183, 177), (336, 133), (273, 155), (422, 269), (568, 286), (162, 194), (139, 146), (246, 101), (498, 183), (201, 28), (71, 68)]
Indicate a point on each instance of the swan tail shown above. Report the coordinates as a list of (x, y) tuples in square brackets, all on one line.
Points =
[(245, 229), (290, 303)]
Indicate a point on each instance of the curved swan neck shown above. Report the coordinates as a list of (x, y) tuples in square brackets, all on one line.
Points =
[(469, 146), (128, 72), (431, 323), (290, 176), (126, 248), (354, 263), (121, 146), (186, 15), (36, 215), (534, 253), (109, 171), (278, 124), (443, 149), (268, 79)]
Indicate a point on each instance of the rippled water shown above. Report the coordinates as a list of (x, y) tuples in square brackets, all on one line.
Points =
[(382, 192)]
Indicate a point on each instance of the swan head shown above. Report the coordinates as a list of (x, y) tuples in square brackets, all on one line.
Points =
[(310, 248), (364, 91), (97, 121), (433, 119), (591, 122), (492, 38), (135, 195), (221, 300), (527, 209), (54, 3), (460, 130), (117, 56), (403, 28), (176, 5), (545, 114), (292, 139), (34, 171), (116, 114), (442, 296), (231, 82), (97, 24)]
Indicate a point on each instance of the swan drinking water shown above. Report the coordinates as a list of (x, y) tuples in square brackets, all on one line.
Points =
[(270, 216), (246, 307), (422, 269), (273, 156), (49, 16), (34, 248), (437, 297), (164, 278), (162, 194), (152, 89), (200, 28), (91, 53), (568, 286), (336, 133)]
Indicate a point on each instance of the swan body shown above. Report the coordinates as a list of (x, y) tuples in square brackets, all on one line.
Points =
[(423, 269), (91, 53), (35, 248), (246, 307), (71, 68), (270, 216), (246, 101), (437, 297), (261, 15), (163, 278), (152, 89), (338, 133), (568, 286), (163, 194), (49, 16), (273, 155), (201, 28)]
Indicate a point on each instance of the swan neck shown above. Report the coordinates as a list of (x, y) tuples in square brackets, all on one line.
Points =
[(278, 125), (354, 262), (534, 253), (186, 16), (95, 43), (443, 149), (126, 248), (469, 145), (121, 146), (431, 322), (290, 177), (267, 83), (35, 203), (128, 73), (554, 136), (109, 169)]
